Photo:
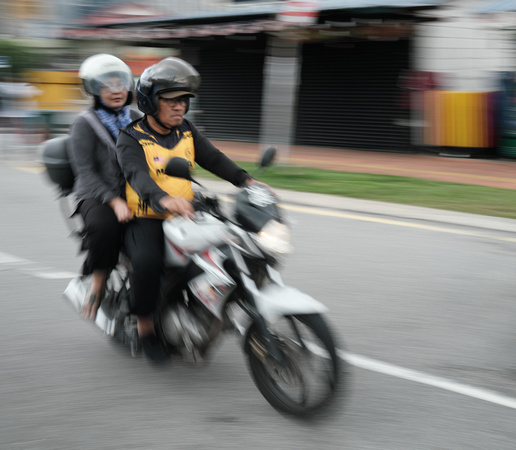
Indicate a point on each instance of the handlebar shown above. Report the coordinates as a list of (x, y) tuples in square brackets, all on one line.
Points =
[(206, 203)]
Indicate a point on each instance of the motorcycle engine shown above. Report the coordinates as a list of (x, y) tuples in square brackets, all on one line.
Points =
[(181, 328)]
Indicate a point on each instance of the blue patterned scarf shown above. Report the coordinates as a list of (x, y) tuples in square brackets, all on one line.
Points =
[(115, 121)]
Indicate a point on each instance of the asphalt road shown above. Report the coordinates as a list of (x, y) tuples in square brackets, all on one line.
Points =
[(423, 308)]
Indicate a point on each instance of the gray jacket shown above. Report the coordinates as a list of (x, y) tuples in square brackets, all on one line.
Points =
[(93, 158)]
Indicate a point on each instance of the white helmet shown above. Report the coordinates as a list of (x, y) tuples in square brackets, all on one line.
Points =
[(96, 70)]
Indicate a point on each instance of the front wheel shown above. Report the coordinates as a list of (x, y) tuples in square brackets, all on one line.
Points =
[(307, 378)]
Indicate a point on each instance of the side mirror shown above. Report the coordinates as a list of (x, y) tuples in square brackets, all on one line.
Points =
[(268, 157), (179, 168)]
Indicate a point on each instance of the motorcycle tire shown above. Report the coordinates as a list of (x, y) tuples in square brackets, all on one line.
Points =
[(307, 381)]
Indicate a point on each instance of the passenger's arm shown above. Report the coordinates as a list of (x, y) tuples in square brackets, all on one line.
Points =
[(84, 142)]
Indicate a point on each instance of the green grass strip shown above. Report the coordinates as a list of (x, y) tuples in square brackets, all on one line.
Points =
[(387, 188)]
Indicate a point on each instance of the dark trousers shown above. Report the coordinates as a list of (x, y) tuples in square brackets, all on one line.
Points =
[(144, 244), (103, 236)]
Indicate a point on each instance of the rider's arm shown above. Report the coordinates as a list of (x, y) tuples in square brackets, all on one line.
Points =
[(212, 159)]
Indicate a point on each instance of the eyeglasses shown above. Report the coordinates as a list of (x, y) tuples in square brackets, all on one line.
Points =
[(175, 101)]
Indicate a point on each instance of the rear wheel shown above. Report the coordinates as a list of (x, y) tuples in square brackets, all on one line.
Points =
[(307, 379)]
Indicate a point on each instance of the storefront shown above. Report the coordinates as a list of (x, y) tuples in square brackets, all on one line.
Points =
[(349, 95), (346, 88)]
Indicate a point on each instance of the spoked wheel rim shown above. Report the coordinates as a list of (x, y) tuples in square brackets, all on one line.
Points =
[(307, 380)]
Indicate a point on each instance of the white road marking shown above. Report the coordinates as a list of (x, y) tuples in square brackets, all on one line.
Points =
[(35, 170), (11, 262), (400, 223), (373, 365), (6, 258), (8, 261), (53, 275)]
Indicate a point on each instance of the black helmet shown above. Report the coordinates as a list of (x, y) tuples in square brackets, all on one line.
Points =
[(169, 75), (96, 71)]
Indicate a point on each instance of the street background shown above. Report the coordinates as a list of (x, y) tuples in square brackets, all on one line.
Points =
[(422, 302)]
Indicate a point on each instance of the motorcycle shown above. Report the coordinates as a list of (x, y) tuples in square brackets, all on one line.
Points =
[(222, 276)]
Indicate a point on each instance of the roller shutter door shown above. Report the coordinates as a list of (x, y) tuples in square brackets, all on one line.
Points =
[(230, 96), (349, 96)]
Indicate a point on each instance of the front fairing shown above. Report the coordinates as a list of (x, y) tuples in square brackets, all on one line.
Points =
[(184, 237), (255, 206)]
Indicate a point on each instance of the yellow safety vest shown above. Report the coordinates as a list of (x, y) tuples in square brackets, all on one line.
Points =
[(157, 158)]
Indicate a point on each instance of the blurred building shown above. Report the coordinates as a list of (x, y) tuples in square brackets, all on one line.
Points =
[(42, 19), (459, 61), (365, 74), (308, 73)]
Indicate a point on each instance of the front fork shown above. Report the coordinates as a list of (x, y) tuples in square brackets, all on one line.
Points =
[(268, 348), (248, 292)]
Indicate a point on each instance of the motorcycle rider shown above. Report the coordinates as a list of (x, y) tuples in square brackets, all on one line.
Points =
[(144, 148), (99, 182)]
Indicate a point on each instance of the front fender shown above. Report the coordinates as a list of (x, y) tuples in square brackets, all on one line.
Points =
[(275, 301)]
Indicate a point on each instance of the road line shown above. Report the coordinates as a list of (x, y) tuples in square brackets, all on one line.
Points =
[(420, 377), (26, 166), (8, 261), (55, 275), (399, 223), (34, 170), (324, 212)]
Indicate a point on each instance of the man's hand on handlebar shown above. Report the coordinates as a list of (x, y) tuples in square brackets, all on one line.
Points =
[(178, 205), (251, 181)]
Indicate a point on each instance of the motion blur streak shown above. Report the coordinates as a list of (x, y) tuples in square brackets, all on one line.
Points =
[(399, 223), (8, 261), (395, 222)]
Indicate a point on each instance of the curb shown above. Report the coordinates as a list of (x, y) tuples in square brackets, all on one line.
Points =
[(370, 207)]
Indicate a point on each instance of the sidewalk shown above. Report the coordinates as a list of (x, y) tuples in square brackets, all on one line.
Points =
[(485, 172), (494, 173)]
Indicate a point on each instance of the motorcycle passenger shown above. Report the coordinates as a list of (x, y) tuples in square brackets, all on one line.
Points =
[(144, 148), (99, 182)]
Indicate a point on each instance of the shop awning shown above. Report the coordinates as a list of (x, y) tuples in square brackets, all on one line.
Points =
[(270, 11), (326, 5), (496, 6), (250, 20)]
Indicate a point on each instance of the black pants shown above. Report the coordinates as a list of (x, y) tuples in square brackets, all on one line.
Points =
[(144, 244), (103, 236)]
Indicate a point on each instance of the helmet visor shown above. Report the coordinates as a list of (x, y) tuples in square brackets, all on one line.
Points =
[(114, 82)]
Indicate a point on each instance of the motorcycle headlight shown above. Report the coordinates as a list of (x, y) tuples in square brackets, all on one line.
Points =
[(274, 238)]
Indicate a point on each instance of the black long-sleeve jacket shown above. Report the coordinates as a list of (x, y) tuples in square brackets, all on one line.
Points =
[(143, 153), (94, 161)]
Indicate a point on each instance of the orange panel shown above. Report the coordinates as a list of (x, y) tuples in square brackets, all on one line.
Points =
[(458, 119)]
